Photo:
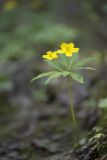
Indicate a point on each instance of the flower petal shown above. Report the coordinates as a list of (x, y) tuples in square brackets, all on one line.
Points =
[(75, 50), (44, 56), (60, 51), (68, 54), (55, 52), (55, 56), (63, 45), (49, 52), (71, 45)]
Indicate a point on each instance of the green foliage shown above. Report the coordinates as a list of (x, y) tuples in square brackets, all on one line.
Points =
[(73, 60), (44, 75), (84, 62), (22, 37), (56, 33), (66, 68), (51, 77), (65, 73), (77, 77), (55, 65), (89, 68)]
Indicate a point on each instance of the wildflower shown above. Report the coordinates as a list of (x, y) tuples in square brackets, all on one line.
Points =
[(68, 49), (67, 68), (10, 5), (50, 55)]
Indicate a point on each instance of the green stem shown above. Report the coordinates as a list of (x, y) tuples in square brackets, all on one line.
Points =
[(71, 102), (72, 109)]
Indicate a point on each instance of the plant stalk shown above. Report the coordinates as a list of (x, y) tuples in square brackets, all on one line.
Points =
[(72, 110)]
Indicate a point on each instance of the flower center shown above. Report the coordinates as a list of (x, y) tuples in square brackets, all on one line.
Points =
[(67, 49)]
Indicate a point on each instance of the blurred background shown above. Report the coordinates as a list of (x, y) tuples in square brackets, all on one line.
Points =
[(29, 28)]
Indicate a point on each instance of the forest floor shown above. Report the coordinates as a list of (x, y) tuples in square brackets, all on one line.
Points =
[(34, 127)]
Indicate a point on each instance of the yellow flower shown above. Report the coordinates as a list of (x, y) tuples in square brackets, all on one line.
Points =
[(50, 55), (68, 49), (10, 5)]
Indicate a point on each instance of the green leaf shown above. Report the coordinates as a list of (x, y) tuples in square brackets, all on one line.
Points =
[(53, 65), (77, 77), (63, 60), (89, 68), (42, 75), (65, 73), (84, 62), (53, 76), (73, 59)]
